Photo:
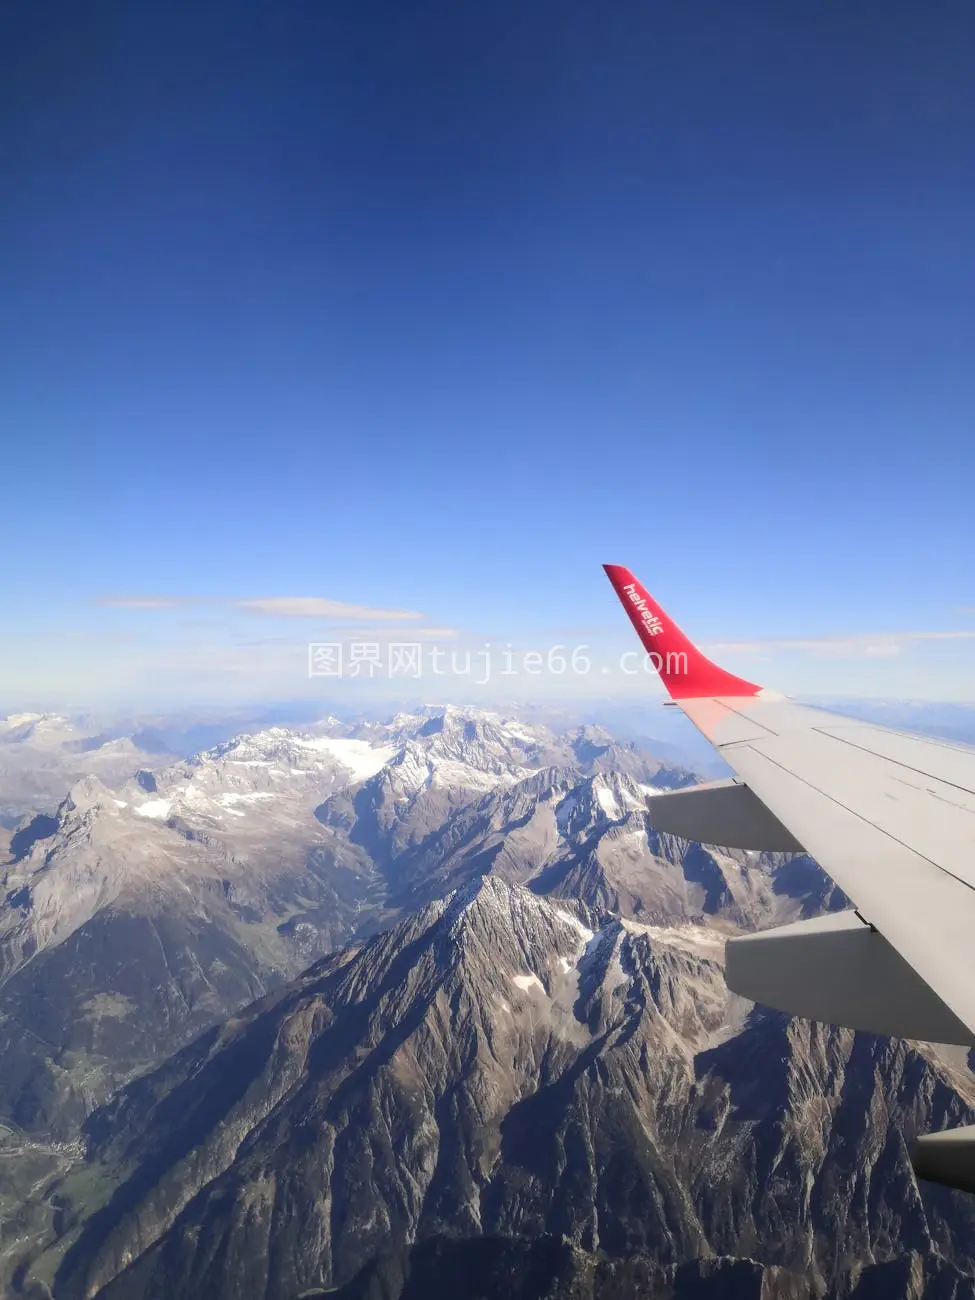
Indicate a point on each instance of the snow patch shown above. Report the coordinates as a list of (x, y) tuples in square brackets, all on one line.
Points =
[(228, 799), (519, 733), (697, 939), (19, 719), (606, 800), (194, 794), (157, 809), (528, 982), (576, 924), (362, 759), (450, 772)]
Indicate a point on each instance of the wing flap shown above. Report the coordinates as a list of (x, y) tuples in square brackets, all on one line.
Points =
[(947, 1158), (837, 969), (725, 813)]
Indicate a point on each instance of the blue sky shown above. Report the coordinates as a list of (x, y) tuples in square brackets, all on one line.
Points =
[(433, 308)]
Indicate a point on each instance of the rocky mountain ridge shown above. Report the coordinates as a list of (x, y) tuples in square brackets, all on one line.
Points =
[(41, 754), (504, 1065), (145, 914), (205, 882)]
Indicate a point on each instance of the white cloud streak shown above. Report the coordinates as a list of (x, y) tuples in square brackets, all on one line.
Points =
[(143, 602), (862, 645), (319, 607), (271, 607)]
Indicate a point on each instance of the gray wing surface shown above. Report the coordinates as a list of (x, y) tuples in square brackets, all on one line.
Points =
[(889, 816)]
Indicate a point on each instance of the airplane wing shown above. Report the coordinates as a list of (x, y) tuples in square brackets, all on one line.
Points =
[(889, 816)]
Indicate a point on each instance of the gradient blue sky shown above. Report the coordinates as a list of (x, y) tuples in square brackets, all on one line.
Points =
[(434, 307)]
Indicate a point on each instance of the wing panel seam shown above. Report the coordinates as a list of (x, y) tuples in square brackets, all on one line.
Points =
[(884, 758), (857, 724), (859, 816)]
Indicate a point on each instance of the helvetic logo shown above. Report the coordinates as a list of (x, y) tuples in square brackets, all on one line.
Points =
[(649, 620)]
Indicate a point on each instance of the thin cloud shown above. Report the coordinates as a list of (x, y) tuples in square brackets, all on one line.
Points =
[(319, 607), (348, 636), (386, 633), (143, 602), (867, 645), (271, 607)]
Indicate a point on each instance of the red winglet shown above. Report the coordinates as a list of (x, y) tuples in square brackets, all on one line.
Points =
[(685, 672)]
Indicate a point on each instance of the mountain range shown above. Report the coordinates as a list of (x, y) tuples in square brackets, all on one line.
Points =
[(489, 1009)]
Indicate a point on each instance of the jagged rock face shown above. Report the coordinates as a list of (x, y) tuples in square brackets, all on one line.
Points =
[(427, 824), (140, 915), (41, 754), (497, 1268), (237, 820), (508, 1066), (143, 913), (455, 760)]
